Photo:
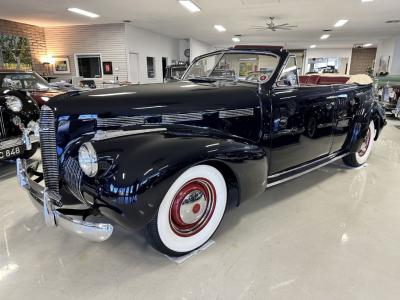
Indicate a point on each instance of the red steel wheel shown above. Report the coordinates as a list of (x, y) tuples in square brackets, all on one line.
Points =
[(192, 207)]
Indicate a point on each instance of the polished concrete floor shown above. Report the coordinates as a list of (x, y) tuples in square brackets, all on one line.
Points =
[(332, 234)]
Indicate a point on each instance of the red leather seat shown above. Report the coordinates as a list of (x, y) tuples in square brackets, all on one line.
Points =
[(313, 79), (326, 80)]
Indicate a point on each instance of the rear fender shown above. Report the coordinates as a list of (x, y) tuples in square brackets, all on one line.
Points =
[(367, 112)]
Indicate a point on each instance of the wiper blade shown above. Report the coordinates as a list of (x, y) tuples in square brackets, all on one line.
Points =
[(202, 79)]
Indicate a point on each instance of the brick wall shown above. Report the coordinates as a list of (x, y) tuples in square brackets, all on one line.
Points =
[(36, 38), (361, 60)]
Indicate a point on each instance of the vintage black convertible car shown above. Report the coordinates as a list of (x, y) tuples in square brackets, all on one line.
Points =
[(19, 127), (169, 157)]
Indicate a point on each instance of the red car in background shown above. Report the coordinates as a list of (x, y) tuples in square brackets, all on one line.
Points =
[(38, 88)]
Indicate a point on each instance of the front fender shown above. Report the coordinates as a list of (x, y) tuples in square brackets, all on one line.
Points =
[(142, 167)]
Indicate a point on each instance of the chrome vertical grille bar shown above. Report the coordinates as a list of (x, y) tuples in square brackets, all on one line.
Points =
[(2, 127), (49, 149)]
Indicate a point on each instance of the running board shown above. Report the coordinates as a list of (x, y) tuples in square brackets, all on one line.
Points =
[(302, 170)]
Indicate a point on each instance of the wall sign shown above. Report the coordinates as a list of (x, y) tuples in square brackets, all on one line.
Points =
[(107, 68)]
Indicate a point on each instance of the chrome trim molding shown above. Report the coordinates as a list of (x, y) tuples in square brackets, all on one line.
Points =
[(171, 118), (234, 113), (11, 143), (332, 156), (304, 172), (44, 200), (110, 134)]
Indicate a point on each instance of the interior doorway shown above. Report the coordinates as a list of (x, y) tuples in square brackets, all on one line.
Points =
[(164, 66), (134, 68)]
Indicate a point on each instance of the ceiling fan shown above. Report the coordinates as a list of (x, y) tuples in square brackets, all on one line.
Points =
[(271, 25)]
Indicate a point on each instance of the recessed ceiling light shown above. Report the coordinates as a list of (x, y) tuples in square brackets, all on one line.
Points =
[(367, 45), (236, 39), (367, 0), (325, 36), (313, 46), (190, 5), (220, 28), (340, 23), (83, 12)]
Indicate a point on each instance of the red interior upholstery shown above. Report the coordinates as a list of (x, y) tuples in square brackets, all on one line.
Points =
[(313, 79), (322, 80), (333, 79)]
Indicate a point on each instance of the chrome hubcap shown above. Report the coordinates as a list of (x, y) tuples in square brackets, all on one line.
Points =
[(192, 207)]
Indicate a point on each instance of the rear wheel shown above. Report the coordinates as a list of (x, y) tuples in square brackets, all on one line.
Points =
[(359, 158), (190, 212)]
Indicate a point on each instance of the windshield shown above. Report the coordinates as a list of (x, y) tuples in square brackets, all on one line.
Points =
[(234, 66), (23, 81)]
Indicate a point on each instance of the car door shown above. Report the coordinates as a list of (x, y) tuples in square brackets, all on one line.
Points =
[(302, 124)]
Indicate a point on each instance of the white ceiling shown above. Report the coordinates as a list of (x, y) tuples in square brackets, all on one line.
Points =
[(366, 25)]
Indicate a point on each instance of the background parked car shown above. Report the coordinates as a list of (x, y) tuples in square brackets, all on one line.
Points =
[(388, 92), (19, 128), (39, 89)]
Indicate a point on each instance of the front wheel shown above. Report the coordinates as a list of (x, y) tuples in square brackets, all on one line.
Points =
[(190, 212), (359, 158)]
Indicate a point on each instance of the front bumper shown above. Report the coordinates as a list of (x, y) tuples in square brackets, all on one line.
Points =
[(46, 201)]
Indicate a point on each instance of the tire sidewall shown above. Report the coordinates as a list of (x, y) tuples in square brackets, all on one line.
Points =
[(167, 236), (363, 159)]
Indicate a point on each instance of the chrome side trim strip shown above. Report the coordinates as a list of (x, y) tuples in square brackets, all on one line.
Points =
[(106, 135), (305, 172), (332, 156)]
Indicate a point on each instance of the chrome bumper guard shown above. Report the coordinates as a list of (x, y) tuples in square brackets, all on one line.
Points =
[(44, 200)]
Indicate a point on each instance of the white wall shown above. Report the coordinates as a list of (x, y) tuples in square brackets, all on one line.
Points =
[(107, 40), (198, 48), (385, 48), (389, 47), (150, 44), (329, 53), (183, 45)]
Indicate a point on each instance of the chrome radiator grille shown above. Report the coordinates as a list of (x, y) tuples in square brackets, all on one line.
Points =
[(72, 174), (49, 149)]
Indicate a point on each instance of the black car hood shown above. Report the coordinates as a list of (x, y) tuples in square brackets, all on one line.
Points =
[(177, 97)]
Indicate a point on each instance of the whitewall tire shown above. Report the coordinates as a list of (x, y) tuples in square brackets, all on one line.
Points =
[(360, 157), (190, 212)]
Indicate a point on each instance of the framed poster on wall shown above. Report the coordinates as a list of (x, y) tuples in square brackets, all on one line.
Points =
[(15, 53), (61, 65), (107, 68)]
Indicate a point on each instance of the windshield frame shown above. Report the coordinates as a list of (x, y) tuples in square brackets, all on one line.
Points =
[(221, 54)]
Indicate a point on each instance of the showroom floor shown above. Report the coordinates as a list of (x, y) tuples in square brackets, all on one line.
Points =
[(332, 234)]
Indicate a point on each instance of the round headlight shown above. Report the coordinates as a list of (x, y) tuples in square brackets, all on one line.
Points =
[(14, 103), (88, 160)]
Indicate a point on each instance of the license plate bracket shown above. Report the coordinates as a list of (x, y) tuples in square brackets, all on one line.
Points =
[(11, 152)]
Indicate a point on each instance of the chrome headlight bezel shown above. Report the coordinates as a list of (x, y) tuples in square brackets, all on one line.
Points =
[(13, 103), (87, 158)]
